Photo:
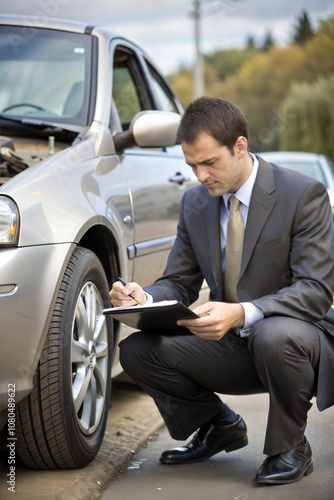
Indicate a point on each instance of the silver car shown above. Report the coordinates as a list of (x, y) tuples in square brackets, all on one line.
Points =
[(91, 181), (315, 165)]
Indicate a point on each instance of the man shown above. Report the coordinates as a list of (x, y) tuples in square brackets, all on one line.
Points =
[(270, 330)]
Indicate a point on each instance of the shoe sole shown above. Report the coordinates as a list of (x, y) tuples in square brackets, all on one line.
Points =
[(308, 469), (236, 445)]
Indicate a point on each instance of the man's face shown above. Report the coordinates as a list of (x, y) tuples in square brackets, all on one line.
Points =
[(214, 165)]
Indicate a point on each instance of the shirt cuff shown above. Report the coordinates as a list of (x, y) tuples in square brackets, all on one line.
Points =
[(253, 314), (149, 298)]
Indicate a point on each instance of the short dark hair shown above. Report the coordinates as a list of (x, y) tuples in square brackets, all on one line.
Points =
[(220, 118)]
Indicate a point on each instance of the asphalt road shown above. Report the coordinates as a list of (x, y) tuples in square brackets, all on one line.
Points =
[(228, 476), (132, 419), (127, 465)]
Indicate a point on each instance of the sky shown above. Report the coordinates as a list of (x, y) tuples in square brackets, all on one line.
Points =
[(165, 29)]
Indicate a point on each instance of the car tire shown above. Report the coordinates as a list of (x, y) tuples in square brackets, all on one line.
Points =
[(61, 424)]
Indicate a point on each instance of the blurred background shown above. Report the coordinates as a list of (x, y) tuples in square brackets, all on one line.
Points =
[(273, 59)]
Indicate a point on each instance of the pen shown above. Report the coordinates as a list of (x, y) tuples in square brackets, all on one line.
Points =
[(139, 302)]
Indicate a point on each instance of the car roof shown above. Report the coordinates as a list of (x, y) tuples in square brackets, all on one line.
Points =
[(48, 22), (103, 31)]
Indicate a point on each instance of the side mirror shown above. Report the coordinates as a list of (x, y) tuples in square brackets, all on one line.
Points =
[(149, 129)]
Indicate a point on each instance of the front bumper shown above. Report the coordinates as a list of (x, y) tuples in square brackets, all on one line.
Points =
[(29, 281)]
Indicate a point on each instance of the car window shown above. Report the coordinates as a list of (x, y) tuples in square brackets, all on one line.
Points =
[(125, 95), (129, 92), (162, 96)]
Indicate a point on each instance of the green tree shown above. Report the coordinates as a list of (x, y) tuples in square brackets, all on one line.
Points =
[(320, 50), (308, 115), (182, 83), (228, 62), (250, 43), (264, 81), (268, 42), (259, 87), (303, 30), (259, 81)]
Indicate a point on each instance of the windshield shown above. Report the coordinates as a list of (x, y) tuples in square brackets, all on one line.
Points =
[(45, 74)]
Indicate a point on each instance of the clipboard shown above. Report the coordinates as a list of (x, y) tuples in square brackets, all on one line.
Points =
[(159, 316)]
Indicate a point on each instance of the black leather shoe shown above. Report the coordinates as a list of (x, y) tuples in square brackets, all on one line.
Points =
[(208, 440), (287, 467)]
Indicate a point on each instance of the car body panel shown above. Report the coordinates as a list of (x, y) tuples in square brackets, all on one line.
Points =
[(157, 209), (33, 273)]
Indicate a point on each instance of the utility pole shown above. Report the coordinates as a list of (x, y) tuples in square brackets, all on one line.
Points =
[(198, 64)]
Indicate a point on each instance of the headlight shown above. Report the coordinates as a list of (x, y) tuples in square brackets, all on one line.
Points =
[(9, 221)]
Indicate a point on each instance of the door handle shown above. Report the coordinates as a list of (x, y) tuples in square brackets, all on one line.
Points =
[(178, 178)]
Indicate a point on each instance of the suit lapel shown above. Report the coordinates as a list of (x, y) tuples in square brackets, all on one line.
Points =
[(261, 205)]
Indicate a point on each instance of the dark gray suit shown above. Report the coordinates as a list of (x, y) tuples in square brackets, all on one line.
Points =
[(287, 267)]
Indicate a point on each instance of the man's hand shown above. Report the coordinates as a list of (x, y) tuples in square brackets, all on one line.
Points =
[(217, 318), (120, 294)]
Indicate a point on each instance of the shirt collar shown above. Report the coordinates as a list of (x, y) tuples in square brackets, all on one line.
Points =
[(244, 193)]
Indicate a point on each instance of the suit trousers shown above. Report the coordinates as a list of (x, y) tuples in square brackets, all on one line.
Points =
[(184, 373)]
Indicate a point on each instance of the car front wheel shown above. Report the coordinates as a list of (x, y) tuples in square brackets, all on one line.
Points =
[(61, 423)]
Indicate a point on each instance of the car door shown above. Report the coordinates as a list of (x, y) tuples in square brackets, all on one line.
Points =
[(157, 178)]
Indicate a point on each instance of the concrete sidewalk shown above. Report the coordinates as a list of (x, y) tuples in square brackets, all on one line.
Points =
[(229, 476)]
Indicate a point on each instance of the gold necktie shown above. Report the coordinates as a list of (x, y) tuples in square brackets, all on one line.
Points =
[(233, 251)]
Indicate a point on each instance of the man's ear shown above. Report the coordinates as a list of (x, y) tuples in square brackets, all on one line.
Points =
[(241, 146)]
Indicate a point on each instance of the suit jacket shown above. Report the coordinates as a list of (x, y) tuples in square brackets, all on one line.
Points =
[(287, 264)]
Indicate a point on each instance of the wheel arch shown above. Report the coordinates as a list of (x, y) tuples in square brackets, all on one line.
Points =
[(100, 240)]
